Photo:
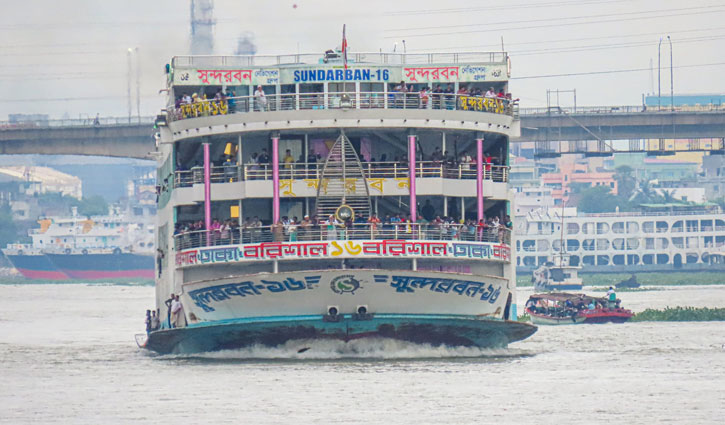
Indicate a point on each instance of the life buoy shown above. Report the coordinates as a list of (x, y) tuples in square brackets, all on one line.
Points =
[(20, 252), (116, 250), (85, 251), (67, 251)]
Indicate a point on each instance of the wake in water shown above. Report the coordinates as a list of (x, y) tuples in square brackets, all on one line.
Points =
[(368, 348)]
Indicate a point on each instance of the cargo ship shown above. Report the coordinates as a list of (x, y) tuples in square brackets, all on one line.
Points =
[(335, 195), (86, 248)]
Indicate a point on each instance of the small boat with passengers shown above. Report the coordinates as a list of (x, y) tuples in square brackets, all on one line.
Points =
[(565, 309)]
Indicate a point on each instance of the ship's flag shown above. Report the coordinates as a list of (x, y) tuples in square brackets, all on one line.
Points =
[(344, 47)]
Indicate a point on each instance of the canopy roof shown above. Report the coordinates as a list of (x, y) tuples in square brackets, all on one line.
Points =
[(564, 296)]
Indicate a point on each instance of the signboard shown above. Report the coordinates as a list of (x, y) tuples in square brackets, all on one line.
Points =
[(266, 251), (303, 292), (227, 77), (431, 74)]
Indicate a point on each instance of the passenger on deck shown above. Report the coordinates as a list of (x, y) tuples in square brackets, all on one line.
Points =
[(155, 324), (278, 231), (148, 321), (178, 319), (159, 260), (612, 298), (168, 304), (289, 160), (260, 99), (330, 227), (424, 96)]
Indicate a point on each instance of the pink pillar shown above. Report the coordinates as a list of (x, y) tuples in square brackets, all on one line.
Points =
[(411, 173), (479, 177), (275, 179), (207, 191)]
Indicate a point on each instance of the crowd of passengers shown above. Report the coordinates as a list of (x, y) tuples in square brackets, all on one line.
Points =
[(262, 161), (571, 308), (443, 97), (437, 157), (397, 226), (402, 96)]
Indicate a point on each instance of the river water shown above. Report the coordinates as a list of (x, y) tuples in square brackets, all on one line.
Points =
[(67, 355)]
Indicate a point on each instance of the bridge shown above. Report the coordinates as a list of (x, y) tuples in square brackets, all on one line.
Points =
[(114, 137), (555, 131)]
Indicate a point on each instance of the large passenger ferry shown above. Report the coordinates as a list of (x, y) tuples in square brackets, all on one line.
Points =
[(658, 237), (335, 196)]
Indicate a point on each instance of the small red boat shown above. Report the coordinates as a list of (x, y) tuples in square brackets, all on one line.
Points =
[(604, 315), (562, 308)]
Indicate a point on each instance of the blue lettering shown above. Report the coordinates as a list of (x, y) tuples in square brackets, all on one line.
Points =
[(297, 76), (365, 75), (358, 75), (330, 75), (312, 75), (338, 75), (348, 74), (321, 75)]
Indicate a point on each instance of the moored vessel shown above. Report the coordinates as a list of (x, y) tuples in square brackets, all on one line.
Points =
[(113, 246), (314, 197)]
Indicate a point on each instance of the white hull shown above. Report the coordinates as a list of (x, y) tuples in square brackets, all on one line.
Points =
[(314, 292)]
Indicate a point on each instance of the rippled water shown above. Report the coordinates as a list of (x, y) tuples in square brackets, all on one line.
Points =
[(67, 356)]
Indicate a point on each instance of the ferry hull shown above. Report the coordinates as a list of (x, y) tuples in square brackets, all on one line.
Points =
[(273, 331), (104, 266), (37, 267)]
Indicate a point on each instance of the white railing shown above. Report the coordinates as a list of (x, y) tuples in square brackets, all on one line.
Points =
[(357, 231), (349, 100), (303, 170), (358, 58)]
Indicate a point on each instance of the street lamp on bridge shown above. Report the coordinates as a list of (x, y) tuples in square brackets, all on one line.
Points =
[(659, 86)]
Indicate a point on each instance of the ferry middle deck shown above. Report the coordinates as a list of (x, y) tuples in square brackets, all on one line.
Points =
[(301, 196)]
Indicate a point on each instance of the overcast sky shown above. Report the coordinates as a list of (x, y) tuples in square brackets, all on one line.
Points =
[(69, 57)]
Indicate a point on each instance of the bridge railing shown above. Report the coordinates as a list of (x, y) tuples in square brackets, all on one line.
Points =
[(303, 170), (626, 109), (347, 100), (357, 231), (77, 122)]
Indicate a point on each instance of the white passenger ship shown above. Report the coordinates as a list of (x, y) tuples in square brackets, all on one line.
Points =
[(331, 145), (657, 238)]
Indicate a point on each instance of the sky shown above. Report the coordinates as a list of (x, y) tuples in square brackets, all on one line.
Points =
[(69, 58)]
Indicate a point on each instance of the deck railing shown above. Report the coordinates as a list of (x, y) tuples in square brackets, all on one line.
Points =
[(346, 100), (361, 231), (305, 170), (353, 58)]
